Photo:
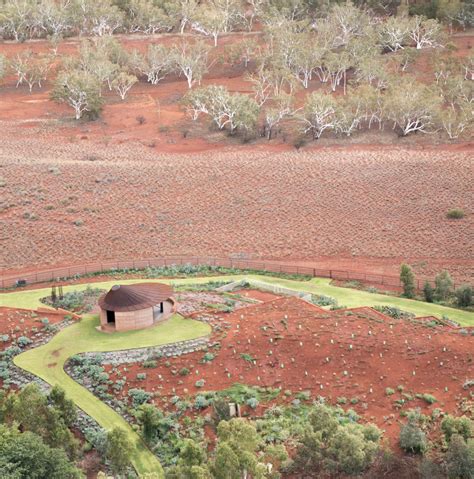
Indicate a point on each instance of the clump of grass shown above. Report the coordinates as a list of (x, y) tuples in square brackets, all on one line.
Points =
[(455, 214), (247, 357), (430, 399)]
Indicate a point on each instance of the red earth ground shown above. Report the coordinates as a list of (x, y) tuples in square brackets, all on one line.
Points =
[(353, 354), (25, 322), (115, 189)]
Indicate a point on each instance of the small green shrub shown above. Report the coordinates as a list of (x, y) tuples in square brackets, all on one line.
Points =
[(207, 358), (139, 396), (427, 398), (150, 363), (141, 376), (252, 402), (200, 383), (464, 296), (394, 312), (389, 391), (455, 214), (247, 357), (201, 402), (183, 372), (23, 341)]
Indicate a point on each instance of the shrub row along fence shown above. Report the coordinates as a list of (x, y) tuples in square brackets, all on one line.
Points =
[(56, 274)]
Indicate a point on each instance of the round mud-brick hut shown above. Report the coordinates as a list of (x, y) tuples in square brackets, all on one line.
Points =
[(135, 306)]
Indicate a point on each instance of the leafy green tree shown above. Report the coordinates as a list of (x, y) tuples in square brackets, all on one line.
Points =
[(190, 60), (428, 292), (26, 456), (236, 112), (460, 458), (448, 11), (412, 438), (237, 445), (462, 426), (443, 285), (80, 90), (464, 295), (147, 17), (123, 82), (349, 451), (226, 463), (65, 406), (407, 278), (119, 450), (335, 447), (149, 418), (192, 463), (319, 114), (411, 106)]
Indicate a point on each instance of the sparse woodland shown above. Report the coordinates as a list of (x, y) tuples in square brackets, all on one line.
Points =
[(353, 61)]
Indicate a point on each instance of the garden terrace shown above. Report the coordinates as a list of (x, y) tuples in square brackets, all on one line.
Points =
[(350, 356)]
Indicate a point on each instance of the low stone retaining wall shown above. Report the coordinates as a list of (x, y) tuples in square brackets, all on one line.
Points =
[(273, 288), (116, 358)]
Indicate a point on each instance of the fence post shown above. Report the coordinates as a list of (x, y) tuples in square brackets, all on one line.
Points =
[(314, 272), (330, 273)]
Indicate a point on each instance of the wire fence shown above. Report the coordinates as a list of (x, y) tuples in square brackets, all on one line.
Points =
[(60, 273)]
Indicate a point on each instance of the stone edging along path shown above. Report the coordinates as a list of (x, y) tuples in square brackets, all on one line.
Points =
[(47, 363)]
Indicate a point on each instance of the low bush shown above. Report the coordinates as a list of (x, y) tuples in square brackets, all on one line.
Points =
[(394, 312), (207, 358), (322, 300), (412, 437), (455, 214), (464, 296), (139, 396)]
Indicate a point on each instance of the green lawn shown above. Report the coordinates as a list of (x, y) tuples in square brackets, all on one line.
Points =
[(345, 296), (47, 362)]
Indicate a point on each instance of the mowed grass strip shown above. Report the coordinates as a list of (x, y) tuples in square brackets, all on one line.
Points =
[(47, 362), (352, 298)]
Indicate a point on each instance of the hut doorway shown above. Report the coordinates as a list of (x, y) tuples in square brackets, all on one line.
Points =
[(110, 317)]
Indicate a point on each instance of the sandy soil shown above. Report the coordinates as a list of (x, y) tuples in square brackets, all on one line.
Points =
[(351, 209), (355, 354)]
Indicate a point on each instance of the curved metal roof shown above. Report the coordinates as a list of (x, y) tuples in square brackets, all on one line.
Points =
[(133, 297)]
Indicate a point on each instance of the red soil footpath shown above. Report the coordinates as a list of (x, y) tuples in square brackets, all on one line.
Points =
[(73, 202), (354, 353)]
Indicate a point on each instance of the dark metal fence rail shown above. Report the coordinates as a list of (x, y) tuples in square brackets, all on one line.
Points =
[(103, 266)]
